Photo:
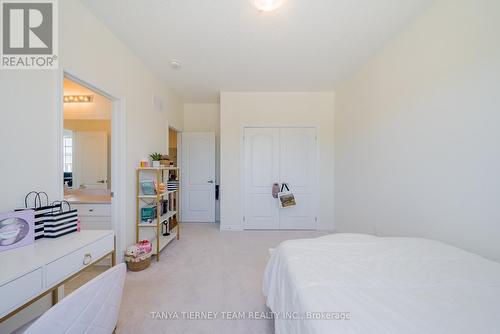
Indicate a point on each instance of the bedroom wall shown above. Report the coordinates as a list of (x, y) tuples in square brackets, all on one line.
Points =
[(205, 117), (29, 123), (417, 132), (240, 109), (94, 54)]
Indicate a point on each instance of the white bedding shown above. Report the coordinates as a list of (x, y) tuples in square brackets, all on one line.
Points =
[(385, 285)]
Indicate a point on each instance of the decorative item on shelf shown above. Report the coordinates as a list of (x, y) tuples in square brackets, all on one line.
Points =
[(61, 221), (172, 223), (148, 187), (155, 158), (161, 188), (148, 214), (137, 256), (17, 229), (165, 161), (172, 185), (167, 228), (164, 206), (144, 162)]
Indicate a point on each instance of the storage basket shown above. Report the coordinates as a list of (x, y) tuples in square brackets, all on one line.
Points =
[(137, 258), (139, 265)]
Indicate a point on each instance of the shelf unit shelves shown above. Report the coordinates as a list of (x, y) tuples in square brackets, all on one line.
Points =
[(158, 240)]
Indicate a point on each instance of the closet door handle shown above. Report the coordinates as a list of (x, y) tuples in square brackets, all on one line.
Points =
[(275, 190)]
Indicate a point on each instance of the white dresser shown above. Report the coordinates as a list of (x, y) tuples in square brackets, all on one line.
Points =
[(29, 273)]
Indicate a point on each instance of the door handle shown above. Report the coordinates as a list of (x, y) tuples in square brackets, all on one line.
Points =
[(275, 190), (210, 181), (101, 181)]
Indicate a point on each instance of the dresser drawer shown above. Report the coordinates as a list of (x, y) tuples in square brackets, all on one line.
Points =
[(93, 210), (17, 292), (75, 261), (95, 223)]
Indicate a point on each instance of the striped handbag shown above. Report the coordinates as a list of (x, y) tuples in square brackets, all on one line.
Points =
[(60, 221), (41, 207)]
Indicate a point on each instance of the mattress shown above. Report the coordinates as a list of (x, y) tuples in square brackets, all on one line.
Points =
[(354, 283)]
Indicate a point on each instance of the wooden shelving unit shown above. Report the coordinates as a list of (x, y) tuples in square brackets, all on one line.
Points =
[(153, 230)]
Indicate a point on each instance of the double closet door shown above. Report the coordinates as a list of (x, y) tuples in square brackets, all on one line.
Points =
[(280, 155)]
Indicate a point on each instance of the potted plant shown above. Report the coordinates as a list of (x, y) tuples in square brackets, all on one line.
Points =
[(155, 158)]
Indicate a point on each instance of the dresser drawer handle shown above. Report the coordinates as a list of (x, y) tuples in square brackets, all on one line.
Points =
[(87, 258)]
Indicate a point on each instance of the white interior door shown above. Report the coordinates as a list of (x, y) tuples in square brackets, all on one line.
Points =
[(198, 177), (91, 160), (298, 170), (280, 155), (261, 171)]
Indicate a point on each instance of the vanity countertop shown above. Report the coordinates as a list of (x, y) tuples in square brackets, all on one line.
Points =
[(88, 197)]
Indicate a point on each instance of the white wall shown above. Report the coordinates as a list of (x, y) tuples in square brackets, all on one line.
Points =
[(417, 132), (273, 109), (94, 54), (29, 122), (205, 117)]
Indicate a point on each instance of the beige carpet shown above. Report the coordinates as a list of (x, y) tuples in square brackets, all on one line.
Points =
[(206, 271)]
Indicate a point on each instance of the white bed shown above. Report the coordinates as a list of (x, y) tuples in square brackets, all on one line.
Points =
[(385, 285)]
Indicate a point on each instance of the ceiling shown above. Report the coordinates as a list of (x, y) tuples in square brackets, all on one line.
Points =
[(228, 45)]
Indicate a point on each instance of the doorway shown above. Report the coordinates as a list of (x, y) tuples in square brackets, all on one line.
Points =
[(105, 178), (86, 143), (283, 156)]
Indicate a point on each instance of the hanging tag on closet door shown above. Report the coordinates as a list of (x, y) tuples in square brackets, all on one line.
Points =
[(286, 198)]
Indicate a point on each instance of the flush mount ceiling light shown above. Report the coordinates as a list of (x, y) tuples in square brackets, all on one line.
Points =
[(175, 64), (78, 98), (267, 5)]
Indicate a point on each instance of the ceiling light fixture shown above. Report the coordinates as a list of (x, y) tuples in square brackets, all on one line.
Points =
[(267, 5), (78, 98), (175, 64)]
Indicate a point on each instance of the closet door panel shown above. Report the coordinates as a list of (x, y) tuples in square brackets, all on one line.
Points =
[(298, 168), (261, 171)]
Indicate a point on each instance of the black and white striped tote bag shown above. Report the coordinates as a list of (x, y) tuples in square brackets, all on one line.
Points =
[(39, 203), (62, 220)]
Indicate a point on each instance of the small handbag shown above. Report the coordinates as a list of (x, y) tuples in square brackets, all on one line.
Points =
[(59, 221), (286, 198), (39, 203)]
